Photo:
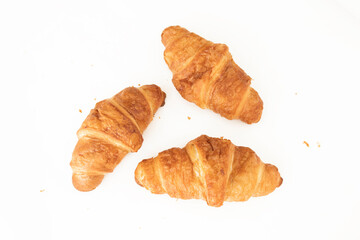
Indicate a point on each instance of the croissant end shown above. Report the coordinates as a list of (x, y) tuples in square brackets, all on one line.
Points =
[(84, 182)]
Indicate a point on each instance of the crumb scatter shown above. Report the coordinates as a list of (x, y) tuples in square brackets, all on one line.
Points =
[(306, 143), (42, 190), (80, 110)]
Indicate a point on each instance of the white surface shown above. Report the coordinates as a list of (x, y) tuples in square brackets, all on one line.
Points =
[(56, 57)]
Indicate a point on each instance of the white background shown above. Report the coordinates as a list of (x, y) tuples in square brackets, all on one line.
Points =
[(57, 56)]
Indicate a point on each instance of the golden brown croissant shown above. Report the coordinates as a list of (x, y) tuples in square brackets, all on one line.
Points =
[(204, 73), (208, 168), (111, 130)]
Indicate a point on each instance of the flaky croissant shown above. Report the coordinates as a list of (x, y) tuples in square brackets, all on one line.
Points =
[(204, 73), (111, 130), (208, 168)]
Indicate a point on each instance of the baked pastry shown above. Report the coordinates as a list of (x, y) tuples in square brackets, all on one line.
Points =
[(111, 130), (204, 73), (208, 168)]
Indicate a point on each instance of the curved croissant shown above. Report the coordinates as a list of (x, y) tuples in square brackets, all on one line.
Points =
[(204, 73), (208, 168), (111, 130)]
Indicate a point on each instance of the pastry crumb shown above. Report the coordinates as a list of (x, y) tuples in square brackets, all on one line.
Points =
[(189, 117), (42, 190), (80, 110), (139, 84), (306, 143), (159, 117), (318, 144), (94, 99), (296, 93), (91, 65), (221, 137)]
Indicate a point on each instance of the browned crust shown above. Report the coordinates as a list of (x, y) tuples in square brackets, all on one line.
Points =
[(139, 110), (208, 168), (111, 130), (204, 73), (106, 118)]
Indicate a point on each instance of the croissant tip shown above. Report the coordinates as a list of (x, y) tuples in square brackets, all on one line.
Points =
[(138, 182), (219, 204), (86, 183), (170, 32), (82, 188), (163, 103), (137, 173), (170, 27), (281, 181)]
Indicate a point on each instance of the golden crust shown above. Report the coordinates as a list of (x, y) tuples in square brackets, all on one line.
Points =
[(155, 97), (111, 130), (208, 168), (107, 118), (137, 106), (204, 73), (92, 156)]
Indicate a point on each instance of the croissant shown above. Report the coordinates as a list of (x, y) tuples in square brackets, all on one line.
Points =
[(111, 130), (204, 73), (208, 168)]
